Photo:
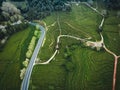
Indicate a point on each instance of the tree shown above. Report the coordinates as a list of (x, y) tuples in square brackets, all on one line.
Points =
[(2, 35), (10, 8), (10, 12), (112, 4), (69, 66), (39, 9), (22, 73)]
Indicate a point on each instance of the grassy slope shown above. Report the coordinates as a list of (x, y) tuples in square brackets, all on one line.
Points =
[(10, 60), (52, 38), (93, 70), (111, 33), (112, 39)]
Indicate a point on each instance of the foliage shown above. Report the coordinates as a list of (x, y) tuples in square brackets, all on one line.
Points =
[(26, 62), (112, 4), (91, 70), (28, 53), (9, 8), (36, 33), (39, 9), (69, 66), (31, 47), (11, 58), (22, 73), (10, 12), (10, 29)]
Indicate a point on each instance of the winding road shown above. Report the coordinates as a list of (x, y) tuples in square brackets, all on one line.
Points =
[(26, 80), (25, 83), (58, 41)]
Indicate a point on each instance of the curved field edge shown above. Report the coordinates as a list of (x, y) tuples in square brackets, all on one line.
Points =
[(83, 68), (11, 58)]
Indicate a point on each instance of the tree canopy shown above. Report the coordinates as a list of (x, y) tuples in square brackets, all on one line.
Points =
[(114, 4)]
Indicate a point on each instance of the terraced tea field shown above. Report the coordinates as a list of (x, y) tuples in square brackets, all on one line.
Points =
[(11, 58), (77, 67)]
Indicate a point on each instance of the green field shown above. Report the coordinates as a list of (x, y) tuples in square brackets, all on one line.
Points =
[(11, 57), (77, 67)]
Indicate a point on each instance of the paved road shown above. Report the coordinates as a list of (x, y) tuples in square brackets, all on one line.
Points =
[(26, 80)]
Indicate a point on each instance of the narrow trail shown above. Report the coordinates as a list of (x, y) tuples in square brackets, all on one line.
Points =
[(51, 44), (53, 24), (69, 36), (87, 35), (57, 46), (49, 60), (107, 50), (58, 41), (94, 9), (83, 40), (56, 51), (59, 26), (115, 65)]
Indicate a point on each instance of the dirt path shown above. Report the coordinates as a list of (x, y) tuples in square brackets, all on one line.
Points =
[(77, 38), (115, 65), (94, 9), (107, 50), (58, 41), (57, 46)]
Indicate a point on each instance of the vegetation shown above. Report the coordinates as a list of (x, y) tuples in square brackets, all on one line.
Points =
[(77, 67), (42, 8), (10, 12), (32, 43), (31, 47), (11, 58), (30, 50)]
